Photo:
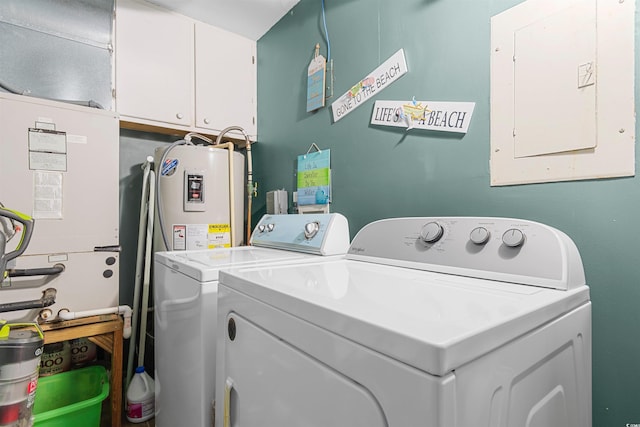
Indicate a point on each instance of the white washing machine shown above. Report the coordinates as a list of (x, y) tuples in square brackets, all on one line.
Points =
[(432, 322), (186, 285)]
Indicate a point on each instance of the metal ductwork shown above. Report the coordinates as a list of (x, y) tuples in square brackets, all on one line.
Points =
[(58, 50)]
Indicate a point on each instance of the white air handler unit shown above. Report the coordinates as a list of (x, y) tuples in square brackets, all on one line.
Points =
[(59, 165)]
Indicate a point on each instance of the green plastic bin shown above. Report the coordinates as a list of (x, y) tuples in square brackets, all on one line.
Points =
[(71, 399)]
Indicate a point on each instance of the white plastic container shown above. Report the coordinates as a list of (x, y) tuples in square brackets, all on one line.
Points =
[(140, 397)]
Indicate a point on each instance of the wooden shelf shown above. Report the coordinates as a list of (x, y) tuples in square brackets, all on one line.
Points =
[(179, 133), (106, 332)]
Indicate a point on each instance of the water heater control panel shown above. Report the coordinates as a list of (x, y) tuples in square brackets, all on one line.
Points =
[(194, 195)]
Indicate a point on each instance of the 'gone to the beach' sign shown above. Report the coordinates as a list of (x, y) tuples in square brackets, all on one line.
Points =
[(390, 71)]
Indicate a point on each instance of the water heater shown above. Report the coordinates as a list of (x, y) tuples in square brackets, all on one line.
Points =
[(198, 199)]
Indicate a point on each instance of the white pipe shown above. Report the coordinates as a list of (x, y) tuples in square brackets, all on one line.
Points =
[(124, 310), (144, 207), (147, 270)]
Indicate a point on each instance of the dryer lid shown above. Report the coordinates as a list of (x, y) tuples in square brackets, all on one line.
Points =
[(435, 322)]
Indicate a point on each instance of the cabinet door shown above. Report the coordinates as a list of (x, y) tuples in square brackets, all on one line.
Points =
[(154, 64), (225, 80)]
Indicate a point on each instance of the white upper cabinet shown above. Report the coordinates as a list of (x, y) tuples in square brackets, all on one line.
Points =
[(154, 64), (225, 79), (178, 73)]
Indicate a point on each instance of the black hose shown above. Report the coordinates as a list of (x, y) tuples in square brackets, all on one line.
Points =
[(48, 299), (46, 271), (111, 248)]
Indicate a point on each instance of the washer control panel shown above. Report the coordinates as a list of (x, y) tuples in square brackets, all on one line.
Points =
[(504, 249), (322, 234)]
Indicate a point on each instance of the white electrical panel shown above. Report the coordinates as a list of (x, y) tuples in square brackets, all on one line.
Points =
[(548, 97), (562, 91)]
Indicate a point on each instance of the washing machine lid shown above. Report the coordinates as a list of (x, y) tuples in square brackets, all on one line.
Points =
[(205, 265), (433, 321)]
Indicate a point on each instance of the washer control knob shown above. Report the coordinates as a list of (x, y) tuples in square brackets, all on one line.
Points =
[(513, 238), (270, 227), (479, 235), (431, 232), (311, 229), (261, 228)]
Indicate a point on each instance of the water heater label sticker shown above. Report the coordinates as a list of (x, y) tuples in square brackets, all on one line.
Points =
[(179, 237), (169, 167), (219, 236), (197, 236)]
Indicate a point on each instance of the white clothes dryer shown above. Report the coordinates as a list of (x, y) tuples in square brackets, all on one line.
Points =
[(185, 291), (432, 322)]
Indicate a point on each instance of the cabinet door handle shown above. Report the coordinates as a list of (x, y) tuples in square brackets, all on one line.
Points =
[(180, 116), (207, 121)]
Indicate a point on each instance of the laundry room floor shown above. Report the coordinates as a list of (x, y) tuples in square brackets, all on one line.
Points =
[(106, 421), (150, 423), (125, 423)]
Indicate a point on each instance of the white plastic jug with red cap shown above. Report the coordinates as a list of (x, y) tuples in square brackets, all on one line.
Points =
[(140, 397)]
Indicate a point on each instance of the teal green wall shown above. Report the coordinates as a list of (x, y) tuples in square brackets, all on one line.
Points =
[(381, 172)]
